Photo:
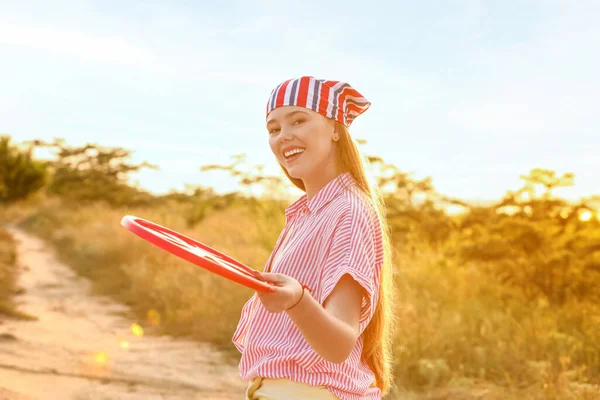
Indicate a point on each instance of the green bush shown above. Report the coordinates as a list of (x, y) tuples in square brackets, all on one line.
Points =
[(20, 174)]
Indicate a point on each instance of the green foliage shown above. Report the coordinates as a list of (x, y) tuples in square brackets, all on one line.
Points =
[(415, 211), (20, 174), (537, 244), (92, 173)]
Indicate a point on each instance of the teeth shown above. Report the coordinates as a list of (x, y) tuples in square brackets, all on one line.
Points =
[(292, 152)]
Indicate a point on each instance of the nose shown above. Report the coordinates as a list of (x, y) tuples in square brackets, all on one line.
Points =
[(285, 134)]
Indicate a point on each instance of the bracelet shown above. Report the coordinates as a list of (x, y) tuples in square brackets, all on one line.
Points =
[(301, 297)]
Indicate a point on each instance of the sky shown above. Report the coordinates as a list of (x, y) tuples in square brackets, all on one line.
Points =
[(471, 93)]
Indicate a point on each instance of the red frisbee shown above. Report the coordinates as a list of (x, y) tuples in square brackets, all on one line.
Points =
[(194, 252)]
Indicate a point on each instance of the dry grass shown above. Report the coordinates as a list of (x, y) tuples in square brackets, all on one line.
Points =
[(167, 294), (460, 335), (8, 277)]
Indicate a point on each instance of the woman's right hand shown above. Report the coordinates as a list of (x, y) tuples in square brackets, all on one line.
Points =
[(284, 294)]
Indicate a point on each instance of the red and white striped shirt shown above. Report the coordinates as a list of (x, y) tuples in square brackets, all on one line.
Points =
[(337, 232)]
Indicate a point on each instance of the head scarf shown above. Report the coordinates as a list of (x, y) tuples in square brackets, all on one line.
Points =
[(334, 99)]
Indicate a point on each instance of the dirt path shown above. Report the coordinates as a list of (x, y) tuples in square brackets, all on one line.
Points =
[(80, 348)]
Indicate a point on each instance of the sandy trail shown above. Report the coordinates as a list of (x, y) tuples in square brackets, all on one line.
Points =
[(76, 349)]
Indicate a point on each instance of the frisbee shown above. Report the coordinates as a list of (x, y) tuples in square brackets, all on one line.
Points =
[(195, 252)]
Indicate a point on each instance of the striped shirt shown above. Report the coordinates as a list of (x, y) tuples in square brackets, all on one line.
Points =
[(337, 232)]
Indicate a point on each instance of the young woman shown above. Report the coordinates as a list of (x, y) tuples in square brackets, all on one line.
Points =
[(323, 332)]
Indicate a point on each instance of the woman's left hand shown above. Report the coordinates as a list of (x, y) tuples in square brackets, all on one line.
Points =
[(285, 293)]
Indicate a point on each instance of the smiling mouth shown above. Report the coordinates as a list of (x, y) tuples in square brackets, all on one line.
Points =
[(293, 153)]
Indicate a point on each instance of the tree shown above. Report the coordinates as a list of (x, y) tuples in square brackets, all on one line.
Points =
[(20, 174), (548, 180), (93, 173), (250, 178), (415, 210), (537, 242)]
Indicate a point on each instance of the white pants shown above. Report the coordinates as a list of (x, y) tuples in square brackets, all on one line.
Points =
[(279, 389)]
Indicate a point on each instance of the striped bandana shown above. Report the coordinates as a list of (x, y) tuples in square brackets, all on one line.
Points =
[(334, 99)]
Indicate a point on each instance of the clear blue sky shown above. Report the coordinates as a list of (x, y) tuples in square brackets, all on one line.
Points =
[(471, 93)]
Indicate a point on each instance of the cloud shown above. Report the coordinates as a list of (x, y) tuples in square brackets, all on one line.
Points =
[(107, 49)]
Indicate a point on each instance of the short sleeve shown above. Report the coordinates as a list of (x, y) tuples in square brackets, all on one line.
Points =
[(355, 249)]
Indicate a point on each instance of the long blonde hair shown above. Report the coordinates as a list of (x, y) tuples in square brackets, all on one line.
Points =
[(378, 335)]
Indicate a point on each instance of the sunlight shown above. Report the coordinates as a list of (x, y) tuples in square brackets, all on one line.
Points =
[(101, 358), (137, 330), (508, 210), (455, 209), (95, 363), (586, 216)]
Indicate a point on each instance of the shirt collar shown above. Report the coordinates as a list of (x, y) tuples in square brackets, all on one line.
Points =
[(323, 196)]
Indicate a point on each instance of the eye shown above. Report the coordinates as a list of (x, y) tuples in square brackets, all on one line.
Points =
[(299, 121), (273, 130)]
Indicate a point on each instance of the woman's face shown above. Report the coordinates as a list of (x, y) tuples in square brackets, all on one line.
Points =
[(301, 140)]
